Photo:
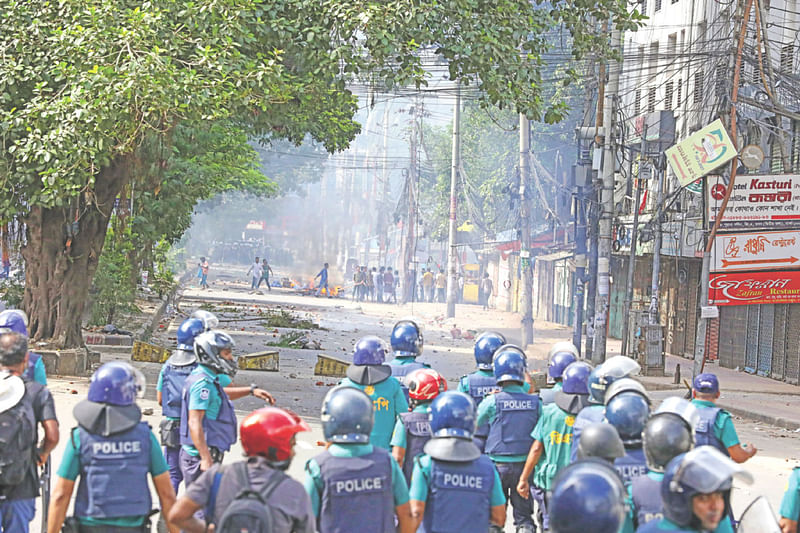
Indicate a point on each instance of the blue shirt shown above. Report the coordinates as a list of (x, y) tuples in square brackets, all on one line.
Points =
[(422, 473), (388, 401), (487, 412), (323, 275), (790, 504), (203, 396), (313, 480)]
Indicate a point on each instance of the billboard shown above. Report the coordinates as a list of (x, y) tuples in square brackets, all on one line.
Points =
[(700, 153), (758, 250), (748, 288), (757, 201)]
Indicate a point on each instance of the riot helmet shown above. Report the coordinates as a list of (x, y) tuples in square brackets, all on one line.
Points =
[(347, 415), (406, 339), (628, 413), (602, 441), (209, 346), (587, 495), (485, 347)]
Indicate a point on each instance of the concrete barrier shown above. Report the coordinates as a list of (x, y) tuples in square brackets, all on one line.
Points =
[(330, 366)]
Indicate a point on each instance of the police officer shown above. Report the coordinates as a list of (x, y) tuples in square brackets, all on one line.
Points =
[(268, 437), (354, 485), (482, 382), (790, 503), (667, 434), (209, 319), (511, 414), (369, 374), (562, 354), (15, 320), (553, 436), (20, 397), (169, 391), (406, 341), (208, 423), (715, 427), (601, 442), (587, 496), (112, 451), (696, 492), (413, 429), (627, 409), (454, 488), (600, 379)]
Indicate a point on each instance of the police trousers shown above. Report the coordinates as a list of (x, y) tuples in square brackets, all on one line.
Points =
[(522, 508)]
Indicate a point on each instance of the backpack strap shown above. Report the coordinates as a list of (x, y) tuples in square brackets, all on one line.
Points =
[(272, 483), (212, 497)]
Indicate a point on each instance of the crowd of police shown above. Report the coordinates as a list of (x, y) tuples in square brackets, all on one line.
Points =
[(591, 454)]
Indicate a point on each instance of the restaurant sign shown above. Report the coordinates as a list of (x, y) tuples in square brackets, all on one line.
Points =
[(761, 250), (745, 288)]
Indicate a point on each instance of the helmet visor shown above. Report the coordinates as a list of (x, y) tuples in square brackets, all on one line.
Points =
[(682, 408), (210, 320), (618, 367), (758, 518), (625, 385), (706, 470)]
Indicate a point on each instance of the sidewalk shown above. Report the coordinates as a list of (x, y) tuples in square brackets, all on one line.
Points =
[(745, 395)]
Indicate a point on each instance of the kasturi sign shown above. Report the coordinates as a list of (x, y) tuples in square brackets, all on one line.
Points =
[(744, 288), (756, 201)]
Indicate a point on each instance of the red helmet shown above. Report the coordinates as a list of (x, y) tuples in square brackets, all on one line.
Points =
[(425, 384), (268, 432)]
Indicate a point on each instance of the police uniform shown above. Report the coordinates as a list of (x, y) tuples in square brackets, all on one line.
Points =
[(204, 391), (665, 524), (591, 414), (511, 414), (171, 380), (388, 401), (478, 385), (113, 489), (355, 487), (458, 495), (35, 370), (411, 431), (632, 465), (790, 504), (18, 505), (289, 504), (715, 427), (554, 431), (403, 366)]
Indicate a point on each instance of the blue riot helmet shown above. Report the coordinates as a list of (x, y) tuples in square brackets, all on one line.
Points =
[(587, 495), (559, 360), (116, 383), (509, 365), (14, 320), (562, 346), (485, 347), (347, 415), (210, 320), (369, 355), (111, 403), (574, 394), (406, 339), (187, 331), (208, 348), (452, 418), (628, 413), (604, 375), (703, 470)]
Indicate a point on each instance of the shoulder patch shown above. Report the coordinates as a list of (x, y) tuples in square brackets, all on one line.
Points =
[(204, 394)]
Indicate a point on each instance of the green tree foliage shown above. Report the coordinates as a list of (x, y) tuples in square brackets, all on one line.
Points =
[(85, 87)]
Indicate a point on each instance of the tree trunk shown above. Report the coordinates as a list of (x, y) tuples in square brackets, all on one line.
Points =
[(59, 270)]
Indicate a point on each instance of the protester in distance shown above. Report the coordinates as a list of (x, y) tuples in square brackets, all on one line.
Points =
[(254, 493), (454, 488), (25, 405), (354, 485), (112, 451), (323, 281)]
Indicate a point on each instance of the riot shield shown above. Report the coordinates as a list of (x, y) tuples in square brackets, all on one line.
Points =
[(44, 483), (758, 518)]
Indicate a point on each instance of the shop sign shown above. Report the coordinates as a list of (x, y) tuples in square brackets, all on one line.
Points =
[(747, 288)]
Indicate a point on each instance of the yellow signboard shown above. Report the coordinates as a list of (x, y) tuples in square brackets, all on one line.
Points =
[(700, 153)]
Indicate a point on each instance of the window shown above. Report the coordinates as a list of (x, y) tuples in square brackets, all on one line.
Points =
[(651, 99), (787, 58), (672, 47), (775, 163), (698, 87), (643, 9), (720, 80), (657, 6), (680, 90), (668, 95), (637, 103), (653, 60)]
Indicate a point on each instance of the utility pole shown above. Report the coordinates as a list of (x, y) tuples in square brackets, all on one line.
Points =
[(452, 256), (382, 222), (659, 176), (634, 239), (607, 205), (409, 273), (525, 238)]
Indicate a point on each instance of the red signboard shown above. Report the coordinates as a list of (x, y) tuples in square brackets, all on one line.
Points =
[(744, 288)]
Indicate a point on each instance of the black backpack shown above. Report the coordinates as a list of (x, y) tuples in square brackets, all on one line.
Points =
[(17, 440), (248, 512)]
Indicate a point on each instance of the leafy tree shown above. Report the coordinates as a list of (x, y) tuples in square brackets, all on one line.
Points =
[(87, 87)]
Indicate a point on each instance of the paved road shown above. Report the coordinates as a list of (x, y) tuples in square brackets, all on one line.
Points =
[(297, 388)]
